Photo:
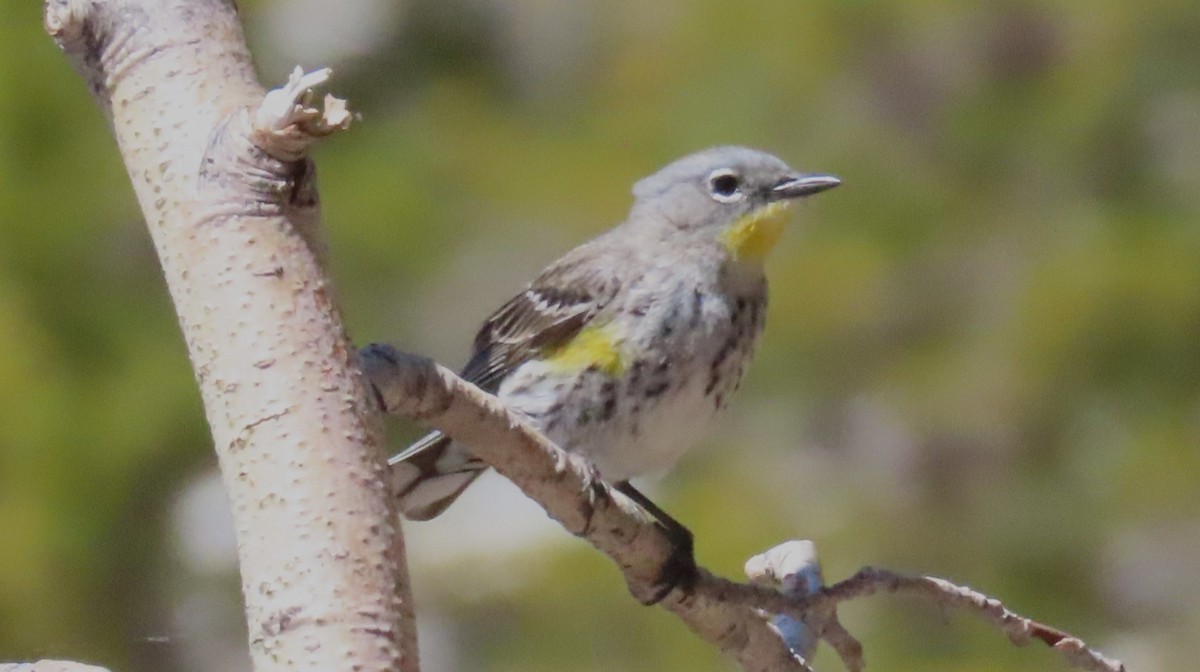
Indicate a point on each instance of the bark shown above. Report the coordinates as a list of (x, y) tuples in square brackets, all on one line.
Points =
[(733, 616), (229, 198), (50, 666), (566, 487)]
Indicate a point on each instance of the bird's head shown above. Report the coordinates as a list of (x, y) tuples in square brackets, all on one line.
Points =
[(740, 197)]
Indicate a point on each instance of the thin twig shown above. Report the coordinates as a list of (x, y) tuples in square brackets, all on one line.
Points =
[(419, 389), (720, 611), (869, 580)]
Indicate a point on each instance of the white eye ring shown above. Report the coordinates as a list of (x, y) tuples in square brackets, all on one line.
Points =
[(725, 186)]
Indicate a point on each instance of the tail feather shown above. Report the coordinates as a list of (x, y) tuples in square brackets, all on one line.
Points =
[(431, 473)]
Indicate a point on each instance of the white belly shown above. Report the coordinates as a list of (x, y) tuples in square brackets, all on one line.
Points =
[(641, 420), (642, 436), (663, 434)]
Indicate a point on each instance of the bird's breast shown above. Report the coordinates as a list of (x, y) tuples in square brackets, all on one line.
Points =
[(635, 391)]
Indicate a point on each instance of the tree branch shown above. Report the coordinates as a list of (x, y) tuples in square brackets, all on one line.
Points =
[(1019, 629), (421, 390), (220, 172), (793, 570), (50, 666), (728, 614)]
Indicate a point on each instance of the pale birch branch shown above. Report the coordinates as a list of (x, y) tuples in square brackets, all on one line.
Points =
[(229, 197), (419, 389), (793, 570), (727, 614), (50, 666), (1019, 629)]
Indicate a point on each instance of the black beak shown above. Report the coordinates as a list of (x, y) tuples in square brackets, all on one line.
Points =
[(799, 186)]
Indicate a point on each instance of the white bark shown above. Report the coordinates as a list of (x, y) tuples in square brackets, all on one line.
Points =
[(729, 615), (230, 201), (50, 666), (431, 394)]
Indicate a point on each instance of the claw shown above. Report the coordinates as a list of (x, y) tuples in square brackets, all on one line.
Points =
[(679, 570), (591, 489), (593, 483)]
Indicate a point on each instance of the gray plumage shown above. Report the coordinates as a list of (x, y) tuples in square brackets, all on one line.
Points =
[(624, 349)]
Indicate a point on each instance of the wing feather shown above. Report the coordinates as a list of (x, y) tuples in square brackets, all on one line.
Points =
[(551, 311)]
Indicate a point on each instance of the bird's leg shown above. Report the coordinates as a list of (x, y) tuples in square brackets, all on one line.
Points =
[(680, 569)]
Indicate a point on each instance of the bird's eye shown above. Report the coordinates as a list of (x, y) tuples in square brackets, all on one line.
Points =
[(725, 186)]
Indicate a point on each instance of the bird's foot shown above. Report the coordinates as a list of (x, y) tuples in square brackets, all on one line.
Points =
[(679, 571)]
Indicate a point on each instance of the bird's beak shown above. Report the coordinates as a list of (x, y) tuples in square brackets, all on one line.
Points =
[(799, 186)]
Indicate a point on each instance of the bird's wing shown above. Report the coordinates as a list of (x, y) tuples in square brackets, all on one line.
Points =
[(555, 307)]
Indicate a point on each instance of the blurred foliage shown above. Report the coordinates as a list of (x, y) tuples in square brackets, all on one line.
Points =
[(982, 358)]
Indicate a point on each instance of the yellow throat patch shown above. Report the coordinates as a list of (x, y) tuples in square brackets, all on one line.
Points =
[(753, 236), (595, 346)]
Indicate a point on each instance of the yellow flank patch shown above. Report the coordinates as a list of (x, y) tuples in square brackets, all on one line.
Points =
[(753, 236), (592, 347)]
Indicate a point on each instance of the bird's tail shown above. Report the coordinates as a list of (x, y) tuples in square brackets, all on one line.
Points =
[(431, 473)]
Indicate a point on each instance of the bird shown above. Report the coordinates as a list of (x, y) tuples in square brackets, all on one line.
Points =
[(624, 349)]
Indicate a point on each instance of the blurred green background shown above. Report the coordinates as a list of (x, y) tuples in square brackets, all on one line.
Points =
[(982, 357)]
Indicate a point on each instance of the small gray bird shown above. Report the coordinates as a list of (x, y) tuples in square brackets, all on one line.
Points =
[(624, 349)]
